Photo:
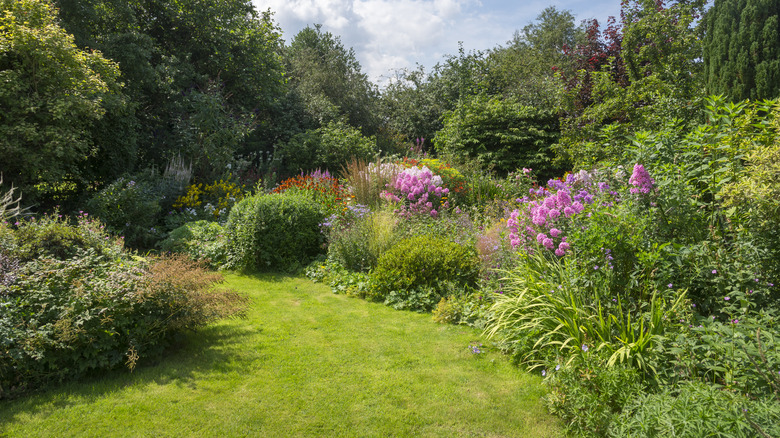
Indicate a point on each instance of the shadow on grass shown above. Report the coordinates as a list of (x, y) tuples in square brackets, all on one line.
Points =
[(213, 349)]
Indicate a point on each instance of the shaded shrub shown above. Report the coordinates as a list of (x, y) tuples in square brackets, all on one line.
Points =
[(97, 308), (52, 236), (417, 272), (134, 206), (199, 240), (328, 147), (279, 231)]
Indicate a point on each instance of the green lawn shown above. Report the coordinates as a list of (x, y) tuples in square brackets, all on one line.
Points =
[(305, 362)]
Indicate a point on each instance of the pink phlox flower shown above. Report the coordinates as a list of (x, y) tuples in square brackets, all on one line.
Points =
[(555, 232)]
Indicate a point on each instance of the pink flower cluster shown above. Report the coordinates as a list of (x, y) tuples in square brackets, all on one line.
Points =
[(544, 216), (420, 190), (641, 180)]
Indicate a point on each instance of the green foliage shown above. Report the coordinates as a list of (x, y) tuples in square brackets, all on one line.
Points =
[(75, 303), (328, 147), (418, 271), (524, 69), (501, 134), (358, 238), (134, 206), (328, 79), (210, 132), (742, 49), (467, 308), (279, 231), (694, 410), (53, 237), (51, 93), (195, 73), (200, 240), (548, 310), (340, 279), (588, 395), (650, 78)]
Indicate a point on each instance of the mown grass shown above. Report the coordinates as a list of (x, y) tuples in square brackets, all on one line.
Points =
[(305, 362)]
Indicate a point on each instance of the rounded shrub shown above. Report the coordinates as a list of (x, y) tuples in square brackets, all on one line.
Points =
[(279, 231), (200, 240), (53, 237), (419, 271)]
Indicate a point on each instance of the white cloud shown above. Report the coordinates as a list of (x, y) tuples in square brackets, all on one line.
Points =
[(393, 34)]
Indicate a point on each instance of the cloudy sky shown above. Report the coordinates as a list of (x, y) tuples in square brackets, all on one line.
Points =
[(395, 34)]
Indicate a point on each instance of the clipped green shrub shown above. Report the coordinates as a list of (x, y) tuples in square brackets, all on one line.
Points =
[(199, 240), (279, 231), (417, 272)]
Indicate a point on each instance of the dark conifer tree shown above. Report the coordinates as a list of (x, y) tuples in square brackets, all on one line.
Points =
[(742, 49)]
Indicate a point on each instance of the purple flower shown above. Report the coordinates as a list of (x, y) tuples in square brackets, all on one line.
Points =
[(669, 285), (584, 347), (726, 298), (714, 271), (544, 373)]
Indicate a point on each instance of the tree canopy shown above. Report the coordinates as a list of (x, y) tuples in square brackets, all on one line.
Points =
[(742, 49)]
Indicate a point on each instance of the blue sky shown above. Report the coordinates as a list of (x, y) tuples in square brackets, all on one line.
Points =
[(394, 34)]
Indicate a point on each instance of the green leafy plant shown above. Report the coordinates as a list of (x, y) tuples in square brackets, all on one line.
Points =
[(418, 271), (358, 238), (76, 303), (199, 240), (279, 231)]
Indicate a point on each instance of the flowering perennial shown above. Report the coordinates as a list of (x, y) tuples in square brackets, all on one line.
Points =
[(641, 180), (419, 191)]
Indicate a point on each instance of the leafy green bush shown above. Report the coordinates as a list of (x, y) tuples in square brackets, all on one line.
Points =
[(588, 395), (200, 240), (52, 237), (417, 272), (502, 134), (695, 410), (279, 231), (328, 147), (136, 206), (97, 307), (358, 238), (468, 308)]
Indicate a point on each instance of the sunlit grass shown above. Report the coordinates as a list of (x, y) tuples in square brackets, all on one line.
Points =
[(304, 362)]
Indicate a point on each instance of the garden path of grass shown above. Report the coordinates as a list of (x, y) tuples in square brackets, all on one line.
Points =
[(305, 362)]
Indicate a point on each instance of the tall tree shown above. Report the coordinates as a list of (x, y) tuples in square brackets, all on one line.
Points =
[(327, 78), (525, 68), (51, 94), (184, 61), (742, 49)]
